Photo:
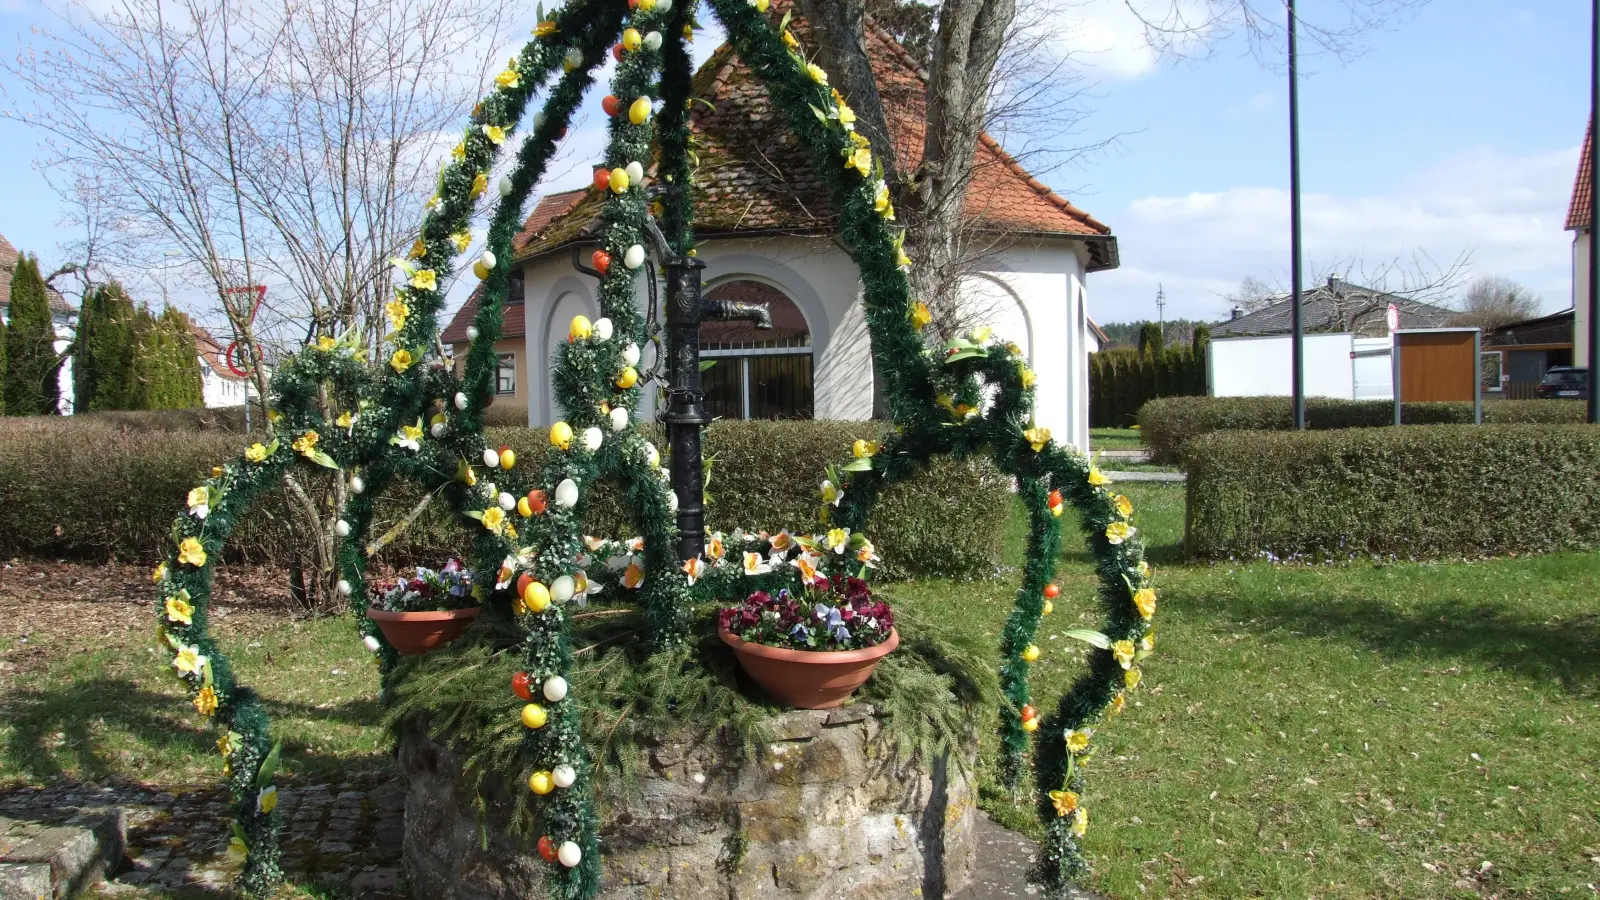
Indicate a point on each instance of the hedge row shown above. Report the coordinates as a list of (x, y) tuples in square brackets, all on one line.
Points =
[(1166, 425), (1123, 380), (1413, 493), (102, 486)]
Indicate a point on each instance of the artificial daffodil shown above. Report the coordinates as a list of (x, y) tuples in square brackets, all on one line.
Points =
[(179, 609), (190, 553)]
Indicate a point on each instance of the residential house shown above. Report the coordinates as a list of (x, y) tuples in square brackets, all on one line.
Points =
[(766, 232), (64, 316), (219, 385), (1528, 349), (1578, 218), (1335, 307)]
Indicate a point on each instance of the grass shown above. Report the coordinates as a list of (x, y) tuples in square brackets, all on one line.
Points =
[(1363, 730), (1354, 731), (1114, 439)]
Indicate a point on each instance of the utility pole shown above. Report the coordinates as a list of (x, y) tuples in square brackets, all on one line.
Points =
[(1161, 303), (1594, 219), (1297, 377)]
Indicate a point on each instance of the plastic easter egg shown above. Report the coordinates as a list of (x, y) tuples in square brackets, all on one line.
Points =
[(555, 689), (633, 257), (561, 589), (567, 493), (593, 438)]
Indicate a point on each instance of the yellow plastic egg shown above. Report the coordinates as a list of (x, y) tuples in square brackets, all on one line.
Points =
[(536, 598), (1030, 725), (628, 378), (541, 783), (631, 39), (508, 458), (524, 508), (639, 111), (619, 180), (534, 716), (581, 327), (1031, 653), (561, 436)]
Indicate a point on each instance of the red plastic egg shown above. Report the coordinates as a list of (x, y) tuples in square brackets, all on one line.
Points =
[(523, 581), (1055, 498), (547, 849), (1051, 591), (520, 685), (611, 105), (1028, 713), (537, 501), (602, 261), (616, 52), (602, 178)]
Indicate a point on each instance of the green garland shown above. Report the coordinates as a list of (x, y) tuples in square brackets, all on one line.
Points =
[(408, 416)]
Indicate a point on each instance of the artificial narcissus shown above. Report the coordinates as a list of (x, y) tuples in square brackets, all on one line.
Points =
[(534, 716), (561, 436), (628, 378), (540, 783), (1030, 653), (521, 685), (581, 327), (611, 104), (602, 263)]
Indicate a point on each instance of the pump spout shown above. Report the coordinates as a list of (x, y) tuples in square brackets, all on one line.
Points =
[(729, 310)]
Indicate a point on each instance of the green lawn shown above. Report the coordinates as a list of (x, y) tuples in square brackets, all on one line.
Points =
[(1114, 439), (1354, 731), (1374, 731)]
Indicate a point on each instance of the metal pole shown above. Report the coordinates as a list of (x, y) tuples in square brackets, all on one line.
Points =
[(1594, 219), (1477, 376), (1297, 339), (686, 413)]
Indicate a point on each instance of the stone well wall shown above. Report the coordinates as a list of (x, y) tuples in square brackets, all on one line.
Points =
[(822, 813)]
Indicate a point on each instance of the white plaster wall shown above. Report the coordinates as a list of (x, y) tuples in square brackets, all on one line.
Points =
[(1580, 298)]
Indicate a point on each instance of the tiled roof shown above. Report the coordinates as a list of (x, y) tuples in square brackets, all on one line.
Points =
[(754, 177), (8, 258), (1320, 307), (213, 352), (1578, 212), (549, 208)]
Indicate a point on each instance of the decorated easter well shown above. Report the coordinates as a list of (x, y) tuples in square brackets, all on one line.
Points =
[(516, 717)]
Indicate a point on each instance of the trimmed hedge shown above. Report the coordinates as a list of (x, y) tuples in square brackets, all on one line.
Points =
[(107, 486), (1412, 493), (1166, 425)]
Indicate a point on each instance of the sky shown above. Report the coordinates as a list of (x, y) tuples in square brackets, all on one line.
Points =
[(1452, 135)]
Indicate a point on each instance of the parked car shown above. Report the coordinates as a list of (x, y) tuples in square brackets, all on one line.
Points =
[(1564, 382)]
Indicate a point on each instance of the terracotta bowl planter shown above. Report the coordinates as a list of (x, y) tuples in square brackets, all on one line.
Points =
[(808, 679), (412, 633)]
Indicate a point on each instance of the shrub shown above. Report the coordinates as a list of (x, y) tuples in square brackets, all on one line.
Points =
[(1122, 380), (948, 521), (1167, 425), (1414, 493)]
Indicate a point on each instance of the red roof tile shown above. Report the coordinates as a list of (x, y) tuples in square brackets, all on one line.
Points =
[(511, 325), (754, 177), (212, 351), (1578, 212)]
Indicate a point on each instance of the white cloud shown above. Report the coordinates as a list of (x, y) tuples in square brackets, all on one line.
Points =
[(1109, 38), (1507, 211)]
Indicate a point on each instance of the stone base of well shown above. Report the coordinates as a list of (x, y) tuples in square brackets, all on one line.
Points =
[(823, 812)]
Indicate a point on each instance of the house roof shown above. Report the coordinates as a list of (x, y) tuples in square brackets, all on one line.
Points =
[(1578, 211), (1556, 328), (8, 258), (754, 178), (1320, 309)]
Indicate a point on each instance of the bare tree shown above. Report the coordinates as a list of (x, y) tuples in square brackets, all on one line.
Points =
[(1494, 300), (292, 143), (987, 67), (1186, 28), (1252, 294), (1349, 294)]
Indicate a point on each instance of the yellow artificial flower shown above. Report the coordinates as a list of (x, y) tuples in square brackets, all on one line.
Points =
[(1117, 532), (633, 576), (345, 419), (1080, 824), (831, 494), (1028, 377), (179, 609), (205, 702), (1143, 568), (190, 553), (267, 800), (255, 453), (160, 574), (715, 548), (198, 497), (921, 316), (480, 183), (1065, 802), (462, 240), (816, 73), (1123, 651), (493, 518), (1078, 740), (425, 280), (495, 134), (859, 159), (326, 343), (189, 661), (837, 539), (1147, 644), (1145, 600), (238, 850), (306, 443), (508, 79), (807, 566), (847, 117), (1131, 678), (761, 5), (790, 41), (401, 360), (544, 29), (419, 249), (1119, 703), (397, 310), (901, 259), (229, 743), (863, 449), (1123, 505), (1037, 438), (273, 416), (459, 151), (980, 335), (1097, 477), (881, 202)]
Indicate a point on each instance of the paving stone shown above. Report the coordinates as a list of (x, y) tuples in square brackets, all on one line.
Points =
[(26, 881)]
